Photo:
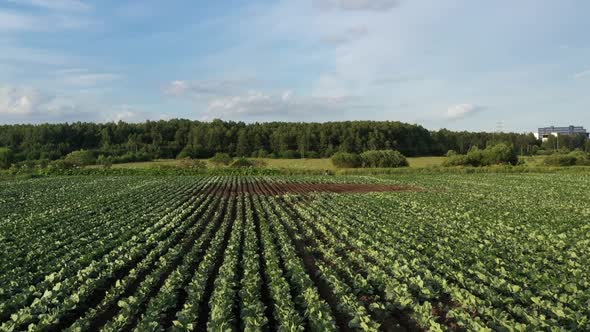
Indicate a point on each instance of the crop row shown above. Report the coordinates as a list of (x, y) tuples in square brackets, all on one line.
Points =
[(238, 253)]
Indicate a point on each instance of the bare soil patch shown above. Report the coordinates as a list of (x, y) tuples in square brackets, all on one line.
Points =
[(270, 188)]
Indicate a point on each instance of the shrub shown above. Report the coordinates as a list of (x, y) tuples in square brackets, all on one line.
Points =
[(192, 164), (132, 157), (6, 158), (106, 162), (346, 160), (42, 163), (582, 158), (494, 155), (194, 152), (221, 159), (559, 160), (185, 153), (451, 153), (80, 158), (383, 159), (456, 160), (260, 154), (290, 154), (243, 162), (499, 154), (475, 157), (579, 158), (59, 164), (311, 155)]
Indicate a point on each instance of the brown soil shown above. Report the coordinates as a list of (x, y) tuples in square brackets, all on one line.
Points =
[(269, 188)]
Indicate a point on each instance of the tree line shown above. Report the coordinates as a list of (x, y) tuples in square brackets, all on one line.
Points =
[(196, 139)]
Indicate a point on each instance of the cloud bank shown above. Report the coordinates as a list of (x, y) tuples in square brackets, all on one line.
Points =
[(31, 102), (205, 88), (285, 104), (371, 5), (582, 74), (61, 5), (461, 111)]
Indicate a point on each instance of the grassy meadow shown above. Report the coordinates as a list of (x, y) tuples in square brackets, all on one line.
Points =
[(296, 164)]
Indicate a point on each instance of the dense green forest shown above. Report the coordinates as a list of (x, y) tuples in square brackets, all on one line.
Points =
[(185, 138)]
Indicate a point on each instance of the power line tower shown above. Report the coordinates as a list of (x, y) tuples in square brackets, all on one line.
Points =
[(498, 130), (500, 127)]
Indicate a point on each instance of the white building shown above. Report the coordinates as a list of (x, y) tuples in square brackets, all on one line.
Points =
[(545, 133)]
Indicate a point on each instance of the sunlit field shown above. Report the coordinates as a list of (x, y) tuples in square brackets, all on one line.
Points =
[(410, 252)]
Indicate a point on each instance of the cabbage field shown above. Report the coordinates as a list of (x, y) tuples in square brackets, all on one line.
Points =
[(406, 252)]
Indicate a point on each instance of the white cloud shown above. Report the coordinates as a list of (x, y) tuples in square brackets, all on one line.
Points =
[(257, 103), (250, 104), (132, 114), (64, 5), (29, 104), (582, 74), (15, 21), (375, 5), (32, 105), (237, 99), (460, 111), (206, 88), (90, 79), (19, 101), (176, 88), (368, 44)]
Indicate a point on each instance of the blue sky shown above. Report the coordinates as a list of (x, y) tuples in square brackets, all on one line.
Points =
[(457, 64)]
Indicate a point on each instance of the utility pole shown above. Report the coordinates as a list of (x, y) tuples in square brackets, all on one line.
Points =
[(499, 130)]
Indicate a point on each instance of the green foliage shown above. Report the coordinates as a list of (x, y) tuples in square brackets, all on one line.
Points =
[(289, 154), (346, 160), (188, 253), (6, 158), (221, 159), (457, 160), (582, 158), (543, 152), (261, 153), (243, 163), (190, 151), (131, 157), (59, 165), (475, 157), (370, 159), (192, 164), (574, 158), (559, 160), (106, 162), (80, 158), (451, 153), (383, 159), (499, 154), (199, 140)]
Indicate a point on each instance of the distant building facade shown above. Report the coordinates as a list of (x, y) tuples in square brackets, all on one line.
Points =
[(545, 133)]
